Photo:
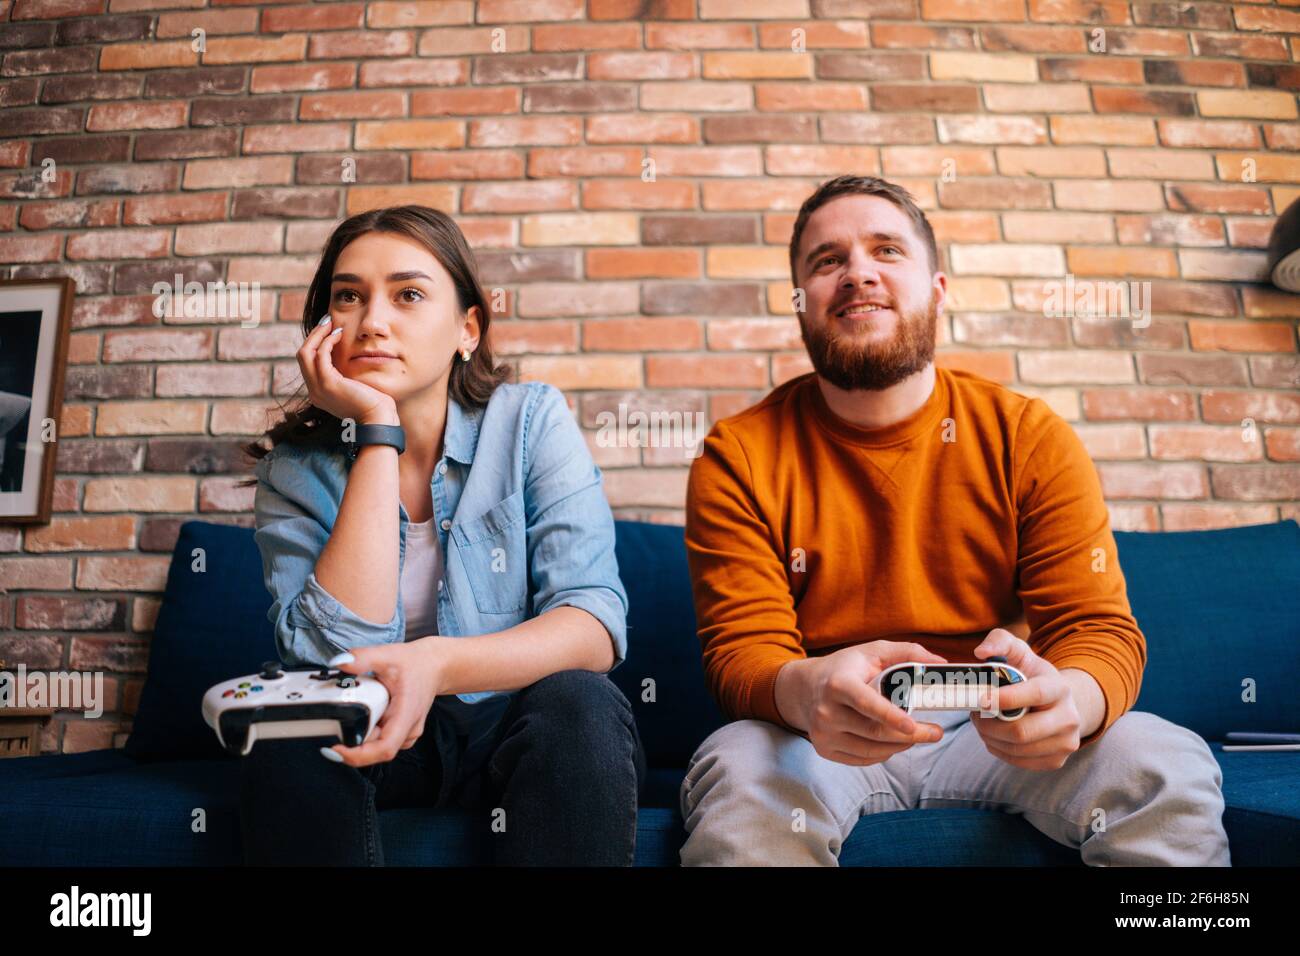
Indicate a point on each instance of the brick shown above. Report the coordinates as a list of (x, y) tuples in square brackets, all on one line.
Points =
[(1034, 39), (212, 22), (1109, 195), (928, 98), (995, 194), (1192, 370), (1006, 259), (1266, 167), (703, 298), (1262, 104), (760, 66), (1047, 161), (746, 262), (658, 263), (697, 230), (753, 194), (1241, 336), (522, 336), (1054, 227), (240, 112), (972, 9), (69, 215), (471, 164), (752, 9), (1090, 69), (822, 35), (1203, 517), (639, 128), (783, 129), (360, 44), (1144, 101), (983, 67), (603, 194), (198, 81), (58, 60), (465, 102), (1256, 482), (1267, 302), (43, 121), (1273, 407), (524, 131), (578, 98), (973, 227), (913, 36), (119, 244), (583, 372), (326, 169), (1238, 45), (1204, 443), (1191, 73), (313, 17), (702, 371), (454, 42), (82, 150), (1079, 11), (291, 138), (526, 196), (318, 106), (1227, 198), (1038, 98), (1177, 480), (363, 198), (642, 335), (98, 86), (820, 160), (586, 37), (1121, 261), (1232, 266), (30, 574), (992, 130), (596, 229), (210, 238), (285, 204), (1112, 442), (314, 76), (699, 36), (1009, 329), (147, 55), (1276, 135), (187, 144), (1282, 444), (696, 96), (415, 73), (1159, 164), (247, 171)]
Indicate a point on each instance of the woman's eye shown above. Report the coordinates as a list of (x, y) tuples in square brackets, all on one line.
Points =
[(411, 289), (338, 296)]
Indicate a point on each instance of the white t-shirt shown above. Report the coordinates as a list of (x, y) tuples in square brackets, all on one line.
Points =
[(421, 572)]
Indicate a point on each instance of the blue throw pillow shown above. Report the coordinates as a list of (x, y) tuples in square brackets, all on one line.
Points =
[(212, 626)]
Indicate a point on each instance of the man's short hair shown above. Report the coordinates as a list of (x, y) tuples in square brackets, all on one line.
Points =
[(864, 186)]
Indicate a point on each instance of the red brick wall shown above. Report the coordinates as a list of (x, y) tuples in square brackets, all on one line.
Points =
[(1034, 151)]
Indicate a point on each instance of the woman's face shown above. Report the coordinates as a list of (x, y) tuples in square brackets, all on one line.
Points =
[(389, 294)]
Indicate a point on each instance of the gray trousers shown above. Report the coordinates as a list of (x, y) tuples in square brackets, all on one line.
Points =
[(1146, 794)]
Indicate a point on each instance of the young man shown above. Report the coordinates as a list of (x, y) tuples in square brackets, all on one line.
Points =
[(880, 510)]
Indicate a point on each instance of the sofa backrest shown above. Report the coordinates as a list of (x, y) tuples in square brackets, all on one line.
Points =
[(1218, 609)]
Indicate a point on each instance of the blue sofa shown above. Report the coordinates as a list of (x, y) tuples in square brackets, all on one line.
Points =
[(1218, 608)]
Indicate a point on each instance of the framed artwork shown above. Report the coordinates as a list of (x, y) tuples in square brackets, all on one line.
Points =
[(35, 317)]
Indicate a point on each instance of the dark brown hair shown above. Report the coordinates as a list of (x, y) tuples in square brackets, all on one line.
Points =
[(864, 186), (471, 383)]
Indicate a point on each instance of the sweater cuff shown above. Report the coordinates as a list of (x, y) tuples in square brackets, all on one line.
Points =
[(762, 693)]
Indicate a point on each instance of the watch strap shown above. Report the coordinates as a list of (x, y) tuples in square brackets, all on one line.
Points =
[(393, 435)]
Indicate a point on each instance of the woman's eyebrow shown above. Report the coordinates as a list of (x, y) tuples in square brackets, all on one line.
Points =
[(392, 277)]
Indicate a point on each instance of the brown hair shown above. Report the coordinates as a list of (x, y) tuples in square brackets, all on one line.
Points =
[(471, 383), (865, 186)]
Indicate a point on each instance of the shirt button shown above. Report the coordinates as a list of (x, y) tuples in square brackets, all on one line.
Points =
[(442, 468), (446, 524), (439, 585)]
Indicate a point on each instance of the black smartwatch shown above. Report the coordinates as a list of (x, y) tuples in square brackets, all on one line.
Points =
[(377, 435)]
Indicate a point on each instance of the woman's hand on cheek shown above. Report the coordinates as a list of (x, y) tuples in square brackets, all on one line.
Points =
[(411, 674)]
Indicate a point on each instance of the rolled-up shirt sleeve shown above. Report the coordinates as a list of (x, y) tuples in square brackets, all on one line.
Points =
[(570, 527), (311, 625)]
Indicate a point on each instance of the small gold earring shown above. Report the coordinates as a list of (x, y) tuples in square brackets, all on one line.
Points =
[(464, 355)]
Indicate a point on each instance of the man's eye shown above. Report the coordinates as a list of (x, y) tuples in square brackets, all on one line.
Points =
[(825, 259), (894, 248)]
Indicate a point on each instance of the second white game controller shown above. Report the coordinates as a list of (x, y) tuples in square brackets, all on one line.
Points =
[(914, 686), (293, 703)]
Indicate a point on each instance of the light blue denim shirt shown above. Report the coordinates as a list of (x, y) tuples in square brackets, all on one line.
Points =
[(521, 518)]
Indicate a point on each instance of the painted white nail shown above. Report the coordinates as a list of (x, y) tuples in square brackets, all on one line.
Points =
[(331, 754)]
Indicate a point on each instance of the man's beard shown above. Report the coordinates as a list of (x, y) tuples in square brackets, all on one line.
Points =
[(850, 365)]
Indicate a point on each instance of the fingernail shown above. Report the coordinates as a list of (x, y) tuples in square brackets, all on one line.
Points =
[(329, 754), (344, 658), (337, 331), (325, 319)]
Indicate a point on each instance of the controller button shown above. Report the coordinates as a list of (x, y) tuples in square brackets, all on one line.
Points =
[(271, 670), (322, 674), (242, 693), (229, 693), (255, 688), (348, 681), (245, 685), (294, 695)]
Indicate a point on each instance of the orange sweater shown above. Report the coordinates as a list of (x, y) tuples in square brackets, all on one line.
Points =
[(806, 533)]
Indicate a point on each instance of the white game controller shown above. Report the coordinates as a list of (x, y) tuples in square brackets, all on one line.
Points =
[(287, 703), (915, 686)]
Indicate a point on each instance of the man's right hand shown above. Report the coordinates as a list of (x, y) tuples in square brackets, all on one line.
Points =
[(847, 720)]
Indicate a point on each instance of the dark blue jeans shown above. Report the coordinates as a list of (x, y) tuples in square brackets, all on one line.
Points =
[(563, 778)]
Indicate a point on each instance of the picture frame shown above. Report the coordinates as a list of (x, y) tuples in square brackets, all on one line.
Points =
[(35, 321)]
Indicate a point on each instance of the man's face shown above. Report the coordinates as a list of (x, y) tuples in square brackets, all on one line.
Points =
[(871, 301)]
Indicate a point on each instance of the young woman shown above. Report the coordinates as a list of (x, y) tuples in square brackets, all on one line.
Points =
[(472, 572)]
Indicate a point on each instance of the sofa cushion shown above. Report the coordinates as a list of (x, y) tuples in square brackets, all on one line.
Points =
[(211, 626), (1218, 608), (663, 676)]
